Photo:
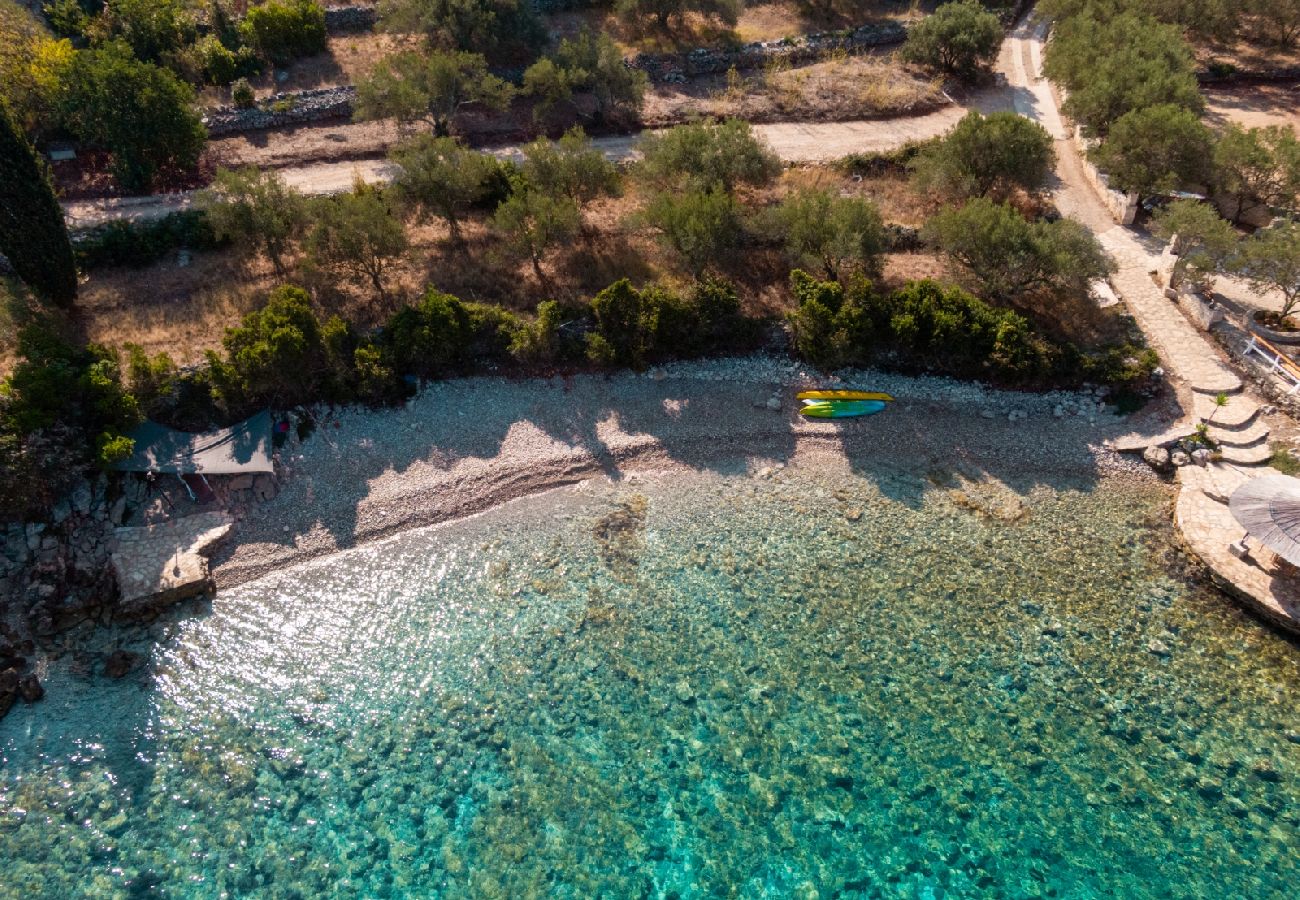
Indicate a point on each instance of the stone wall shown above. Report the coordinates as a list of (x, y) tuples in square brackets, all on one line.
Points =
[(348, 19), (280, 110), (677, 67), (1123, 207)]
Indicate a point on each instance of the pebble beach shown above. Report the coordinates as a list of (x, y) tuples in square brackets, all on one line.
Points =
[(462, 446)]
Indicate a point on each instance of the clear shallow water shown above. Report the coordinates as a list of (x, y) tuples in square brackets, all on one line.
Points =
[(808, 686)]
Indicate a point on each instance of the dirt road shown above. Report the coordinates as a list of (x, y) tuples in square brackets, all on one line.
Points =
[(796, 142)]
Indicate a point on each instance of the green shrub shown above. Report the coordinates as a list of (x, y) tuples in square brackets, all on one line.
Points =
[(986, 156), (283, 30), (278, 355), (924, 325), (635, 327), (702, 227), (442, 335), (138, 243), (242, 95)]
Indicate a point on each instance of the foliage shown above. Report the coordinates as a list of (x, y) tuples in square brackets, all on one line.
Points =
[(220, 65), (499, 29), (62, 408), (705, 156), (241, 92), (1277, 21), (821, 229), (635, 327), (701, 227), (153, 29), (533, 221), (140, 113), (1210, 19), (1144, 64), (32, 232), (590, 63), (986, 156), (1258, 167), (283, 30), (1156, 149), (1270, 262), (959, 38), (662, 12), (442, 335), (151, 378), (1008, 255), (32, 69), (277, 356), (924, 323), (1207, 241), (569, 167), (255, 208), (414, 86), (358, 235), (138, 243), (438, 176)]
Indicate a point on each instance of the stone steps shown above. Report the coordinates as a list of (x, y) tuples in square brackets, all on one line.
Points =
[(1239, 412), (1247, 456), (1252, 434)]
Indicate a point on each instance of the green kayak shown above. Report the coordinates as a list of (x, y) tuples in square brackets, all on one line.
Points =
[(841, 409)]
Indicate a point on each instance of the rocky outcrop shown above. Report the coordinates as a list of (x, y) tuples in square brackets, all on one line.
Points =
[(16, 683), (158, 565)]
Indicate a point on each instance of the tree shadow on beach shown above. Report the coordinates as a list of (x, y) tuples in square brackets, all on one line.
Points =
[(465, 445)]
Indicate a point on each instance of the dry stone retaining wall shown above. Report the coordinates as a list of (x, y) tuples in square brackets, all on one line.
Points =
[(280, 110)]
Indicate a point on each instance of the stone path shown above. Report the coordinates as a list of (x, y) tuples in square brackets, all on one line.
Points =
[(1191, 360), (161, 564)]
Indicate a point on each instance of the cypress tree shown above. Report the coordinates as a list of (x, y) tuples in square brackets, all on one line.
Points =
[(33, 235)]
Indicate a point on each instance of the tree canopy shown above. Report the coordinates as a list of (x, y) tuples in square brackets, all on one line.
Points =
[(986, 156), (498, 29), (438, 176), (140, 113), (824, 230), (1008, 255), (1257, 167), (33, 235), (958, 38), (1156, 149), (256, 209), (1144, 63), (433, 86), (705, 155)]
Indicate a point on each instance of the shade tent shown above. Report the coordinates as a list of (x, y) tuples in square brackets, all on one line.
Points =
[(1268, 508), (244, 448)]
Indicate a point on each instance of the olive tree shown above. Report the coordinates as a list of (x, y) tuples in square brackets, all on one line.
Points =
[(1257, 167), (1206, 241), (496, 28), (359, 235), (433, 87), (958, 38), (701, 227), (532, 221), (256, 209), (704, 155), (1008, 255), (987, 155), (570, 167), (438, 176), (1155, 149), (822, 229), (1270, 262)]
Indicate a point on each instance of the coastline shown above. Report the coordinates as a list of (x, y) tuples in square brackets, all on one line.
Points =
[(463, 446)]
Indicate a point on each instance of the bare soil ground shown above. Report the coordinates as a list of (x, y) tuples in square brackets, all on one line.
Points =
[(1255, 106), (1255, 50)]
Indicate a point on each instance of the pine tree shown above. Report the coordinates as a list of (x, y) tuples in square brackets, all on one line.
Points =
[(32, 232)]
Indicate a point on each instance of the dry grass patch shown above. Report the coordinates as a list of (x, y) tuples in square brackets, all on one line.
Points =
[(838, 89)]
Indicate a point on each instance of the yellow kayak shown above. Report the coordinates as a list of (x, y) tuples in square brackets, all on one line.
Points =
[(843, 395)]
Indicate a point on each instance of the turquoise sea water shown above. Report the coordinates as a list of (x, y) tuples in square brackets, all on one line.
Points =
[(809, 685)]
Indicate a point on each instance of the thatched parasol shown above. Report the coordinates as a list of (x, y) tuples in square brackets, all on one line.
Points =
[(1268, 508)]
